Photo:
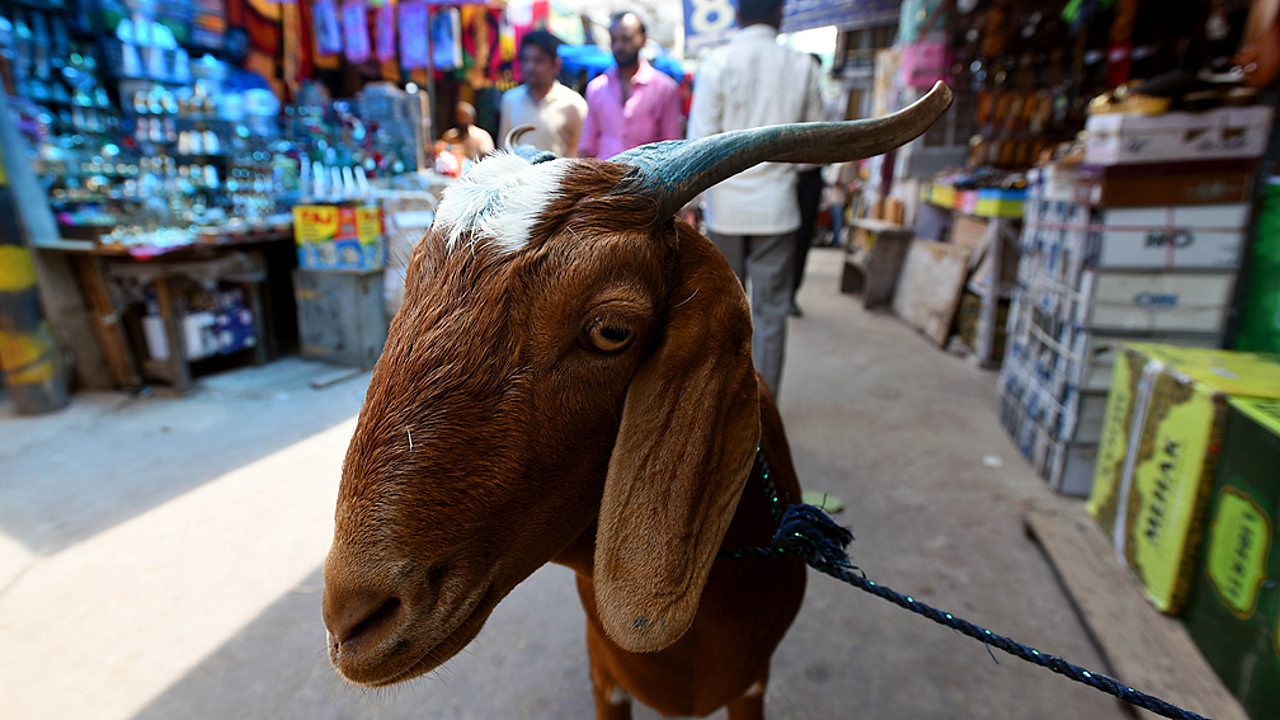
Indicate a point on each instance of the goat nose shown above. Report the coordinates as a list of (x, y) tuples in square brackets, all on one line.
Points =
[(356, 617)]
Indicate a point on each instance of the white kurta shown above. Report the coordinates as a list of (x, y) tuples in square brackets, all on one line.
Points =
[(751, 82)]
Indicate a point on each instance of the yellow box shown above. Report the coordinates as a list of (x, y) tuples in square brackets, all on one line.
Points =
[(1160, 441), (338, 237), (320, 223), (941, 195), (998, 207)]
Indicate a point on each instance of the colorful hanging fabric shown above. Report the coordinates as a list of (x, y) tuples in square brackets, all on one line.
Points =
[(355, 30), (384, 24), (324, 15), (474, 50), (446, 48), (296, 44), (506, 45), (481, 44), (413, 35), (526, 15)]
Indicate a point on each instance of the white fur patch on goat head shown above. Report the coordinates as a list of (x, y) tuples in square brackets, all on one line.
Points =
[(499, 200)]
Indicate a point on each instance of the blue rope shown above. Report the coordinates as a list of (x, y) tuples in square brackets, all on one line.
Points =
[(806, 532)]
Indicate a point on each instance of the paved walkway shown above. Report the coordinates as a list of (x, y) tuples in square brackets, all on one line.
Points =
[(160, 557)]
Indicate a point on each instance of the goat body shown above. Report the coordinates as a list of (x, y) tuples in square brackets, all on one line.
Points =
[(746, 608)]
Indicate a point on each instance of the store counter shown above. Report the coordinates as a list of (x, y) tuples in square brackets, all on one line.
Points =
[(141, 300)]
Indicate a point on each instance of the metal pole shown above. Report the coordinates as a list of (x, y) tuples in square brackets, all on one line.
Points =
[(29, 360), (432, 104)]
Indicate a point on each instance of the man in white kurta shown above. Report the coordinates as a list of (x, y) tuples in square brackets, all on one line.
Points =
[(752, 217), (555, 111)]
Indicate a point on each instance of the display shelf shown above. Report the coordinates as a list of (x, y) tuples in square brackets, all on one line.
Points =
[(981, 202), (873, 260), (224, 157)]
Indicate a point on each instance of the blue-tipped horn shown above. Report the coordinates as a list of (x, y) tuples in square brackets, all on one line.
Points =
[(528, 152), (675, 171)]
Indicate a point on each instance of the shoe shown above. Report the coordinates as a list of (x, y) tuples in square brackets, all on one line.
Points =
[(794, 310)]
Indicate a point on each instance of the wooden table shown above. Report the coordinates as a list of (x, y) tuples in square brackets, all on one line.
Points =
[(1154, 652), (873, 259), (100, 268)]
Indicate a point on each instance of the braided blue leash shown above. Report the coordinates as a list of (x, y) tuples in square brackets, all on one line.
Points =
[(808, 533)]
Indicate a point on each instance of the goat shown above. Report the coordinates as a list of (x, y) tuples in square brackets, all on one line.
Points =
[(569, 380)]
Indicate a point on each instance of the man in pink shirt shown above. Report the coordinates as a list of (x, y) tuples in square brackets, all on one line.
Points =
[(631, 104)]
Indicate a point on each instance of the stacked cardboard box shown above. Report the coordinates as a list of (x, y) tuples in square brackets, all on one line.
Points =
[(338, 283), (1127, 247), (1259, 328), (1163, 425)]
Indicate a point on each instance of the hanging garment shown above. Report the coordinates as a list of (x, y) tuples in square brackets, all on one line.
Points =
[(355, 30), (446, 29), (413, 35)]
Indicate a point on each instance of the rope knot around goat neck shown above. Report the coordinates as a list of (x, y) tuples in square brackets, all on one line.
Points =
[(810, 534)]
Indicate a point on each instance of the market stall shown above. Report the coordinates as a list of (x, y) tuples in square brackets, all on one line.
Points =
[(1105, 196), (188, 159)]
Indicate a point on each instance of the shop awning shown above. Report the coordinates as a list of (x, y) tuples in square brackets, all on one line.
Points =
[(595, 60)]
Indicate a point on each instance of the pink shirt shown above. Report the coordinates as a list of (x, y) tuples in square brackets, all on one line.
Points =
[(652, 112)]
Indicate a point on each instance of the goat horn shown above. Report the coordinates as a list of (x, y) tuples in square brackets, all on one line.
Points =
[(677, 170), (528, 152)]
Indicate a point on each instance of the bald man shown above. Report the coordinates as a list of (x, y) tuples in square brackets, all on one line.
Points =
[(474, 141)]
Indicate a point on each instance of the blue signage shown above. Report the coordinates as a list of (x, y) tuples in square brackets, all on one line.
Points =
[(708, 23), (845, 14)]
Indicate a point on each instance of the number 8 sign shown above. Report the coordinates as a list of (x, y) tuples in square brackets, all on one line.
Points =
[(708, 23)]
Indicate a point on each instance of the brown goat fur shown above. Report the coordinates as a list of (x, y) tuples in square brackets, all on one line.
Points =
[(497, 435)]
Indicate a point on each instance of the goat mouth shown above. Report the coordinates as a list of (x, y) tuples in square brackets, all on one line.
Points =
[(427, 659)]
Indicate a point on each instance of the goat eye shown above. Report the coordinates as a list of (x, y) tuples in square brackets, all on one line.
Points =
[(609, 338)]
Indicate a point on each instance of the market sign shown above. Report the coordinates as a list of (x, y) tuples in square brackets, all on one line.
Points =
[(708, 23), (845, 14)]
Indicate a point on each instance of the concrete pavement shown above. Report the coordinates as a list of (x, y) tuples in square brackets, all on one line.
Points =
[(160, 557)]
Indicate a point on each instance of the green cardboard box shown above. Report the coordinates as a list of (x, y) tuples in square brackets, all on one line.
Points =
[(1159, 446), (1259, 329), (1234, 609)]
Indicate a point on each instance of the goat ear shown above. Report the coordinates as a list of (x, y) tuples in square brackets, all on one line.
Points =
[(689, 430)]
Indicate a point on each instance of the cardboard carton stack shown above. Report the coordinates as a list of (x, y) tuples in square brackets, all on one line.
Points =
[(1187, 490), (1163, 431), (1140, 242), (338, 282)]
